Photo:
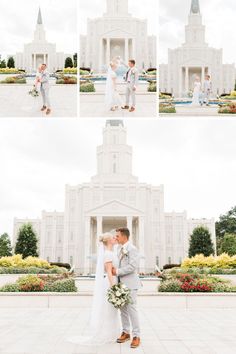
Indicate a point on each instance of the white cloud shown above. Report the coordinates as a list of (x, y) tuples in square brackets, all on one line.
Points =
[(18, 21), (194, 159)]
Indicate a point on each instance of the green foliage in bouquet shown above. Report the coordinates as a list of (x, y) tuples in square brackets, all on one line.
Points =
[(119, 295)]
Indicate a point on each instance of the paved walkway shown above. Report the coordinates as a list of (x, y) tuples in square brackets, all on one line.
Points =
[(16, 102), (45, 331), (92, 105)]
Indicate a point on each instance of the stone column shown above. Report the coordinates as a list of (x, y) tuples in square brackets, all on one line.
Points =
[(99, 226), (126, 50), (141, 244), (100, 55), (87, 241), (203, 74), (108, 56), (34, 65), (180, 82), (129, 221), (133, 49), (186, 79)]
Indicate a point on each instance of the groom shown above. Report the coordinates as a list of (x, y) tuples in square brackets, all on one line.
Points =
[(44, 88), (131, 79), (127, 274)]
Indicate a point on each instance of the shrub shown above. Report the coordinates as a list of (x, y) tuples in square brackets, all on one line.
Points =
[(32, 270), (10, 288), (18, 262), (70, 71), (169, 266), (59, 264), (65, 285), (87, 86), (152, 87), (223, 261), (30, 283), (84, 72)]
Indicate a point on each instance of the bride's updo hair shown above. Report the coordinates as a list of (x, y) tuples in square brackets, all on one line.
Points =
[(104, 238)]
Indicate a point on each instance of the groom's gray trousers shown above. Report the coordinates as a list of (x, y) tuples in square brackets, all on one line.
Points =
[(129, 314), (45, 94), (130, 93)]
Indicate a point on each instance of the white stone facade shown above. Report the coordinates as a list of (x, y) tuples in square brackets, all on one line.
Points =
[(40, 51), (114, 198), (193, 58), (117, 33)]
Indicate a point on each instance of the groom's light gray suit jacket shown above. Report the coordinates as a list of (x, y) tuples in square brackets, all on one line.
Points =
[(128, 267), (45, 80)]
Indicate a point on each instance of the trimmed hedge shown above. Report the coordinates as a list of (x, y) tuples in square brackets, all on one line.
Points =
[(61, 286), (87, 87), (32, 270)]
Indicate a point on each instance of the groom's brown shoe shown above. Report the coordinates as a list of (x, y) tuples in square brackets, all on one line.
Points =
[(135, 342), (43, 108), (125, 107), (123, 338), (48, 111), (132, 109)]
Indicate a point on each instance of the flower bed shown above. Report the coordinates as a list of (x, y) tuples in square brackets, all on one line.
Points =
[(167, 107), (87, 86), (14, 80), (175, 280), (38, 283), (67, 80), (229, 108)]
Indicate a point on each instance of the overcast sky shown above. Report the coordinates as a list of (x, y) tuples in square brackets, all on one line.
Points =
[(218, 17), (96, 8), (18, 21), (194, 159)]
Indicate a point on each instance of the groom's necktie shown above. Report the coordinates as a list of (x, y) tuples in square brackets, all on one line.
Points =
[(127, 74)]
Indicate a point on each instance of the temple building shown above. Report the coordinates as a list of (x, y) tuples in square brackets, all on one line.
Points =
[(195, 58), (117, 33), (40, 51), (113, 198)]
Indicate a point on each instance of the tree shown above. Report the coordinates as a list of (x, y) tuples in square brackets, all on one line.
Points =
[(68, 63), (26, 243), (10, 62), (75, 60), (200, 242), (3, 64), (228, 244), (226, 224), (5, 245)]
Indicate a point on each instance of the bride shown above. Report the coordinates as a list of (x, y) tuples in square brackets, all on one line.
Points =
[(196, 92), (112, 97), (104, 324)]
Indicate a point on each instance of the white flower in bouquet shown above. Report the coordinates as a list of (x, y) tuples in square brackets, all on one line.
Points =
[(34, 92)]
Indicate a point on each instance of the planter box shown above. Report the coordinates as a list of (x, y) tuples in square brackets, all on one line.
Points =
[(155, 300), (86, 285)]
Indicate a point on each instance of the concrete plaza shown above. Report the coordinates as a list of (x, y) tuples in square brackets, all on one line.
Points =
[(164, 331), (192, 111), (16, 102)]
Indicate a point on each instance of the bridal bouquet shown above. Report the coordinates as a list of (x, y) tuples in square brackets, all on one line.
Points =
[(34, 92), (119, 295)]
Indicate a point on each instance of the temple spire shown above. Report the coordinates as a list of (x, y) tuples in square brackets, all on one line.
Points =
[(39, 20), (195, 7)]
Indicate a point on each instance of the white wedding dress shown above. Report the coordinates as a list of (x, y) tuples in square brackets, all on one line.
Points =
[(112, 97), (104, 324), (196, 93)]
